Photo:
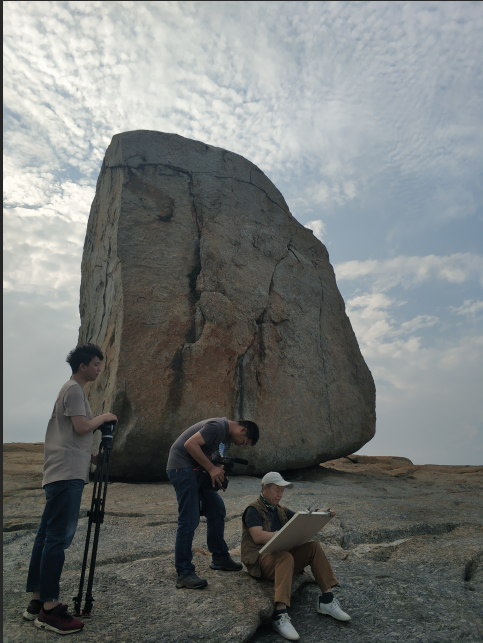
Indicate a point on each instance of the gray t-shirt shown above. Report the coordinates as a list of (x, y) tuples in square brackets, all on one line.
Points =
[(214, 431), (67, 454)]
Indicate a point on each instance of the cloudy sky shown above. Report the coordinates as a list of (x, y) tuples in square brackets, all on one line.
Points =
[(367, 117)]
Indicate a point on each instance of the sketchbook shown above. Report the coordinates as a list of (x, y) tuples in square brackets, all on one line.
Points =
[(301, 528)]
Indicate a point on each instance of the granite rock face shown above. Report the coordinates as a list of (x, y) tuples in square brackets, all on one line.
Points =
[(210, 299), (406, 546)]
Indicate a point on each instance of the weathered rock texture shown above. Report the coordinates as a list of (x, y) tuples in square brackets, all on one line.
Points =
[(210, 299), (406, 545)]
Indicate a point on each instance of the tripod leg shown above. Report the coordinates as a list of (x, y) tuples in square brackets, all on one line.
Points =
[(98, 519), (78, 599)]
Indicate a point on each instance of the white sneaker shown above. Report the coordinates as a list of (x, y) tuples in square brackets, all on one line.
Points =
[(284, 627), (332, 609)]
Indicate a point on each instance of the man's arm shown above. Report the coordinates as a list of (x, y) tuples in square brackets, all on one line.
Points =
[(82, 425), (193, 446), (259, 536)]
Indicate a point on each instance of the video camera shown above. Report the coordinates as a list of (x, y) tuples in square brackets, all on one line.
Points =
[(227, 464), (107, 428), (107, 431)]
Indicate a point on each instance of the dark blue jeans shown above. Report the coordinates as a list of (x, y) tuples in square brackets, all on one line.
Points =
[(56, 531), (186, 483)]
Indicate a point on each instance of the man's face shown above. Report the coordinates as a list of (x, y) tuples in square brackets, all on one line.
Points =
[(92, 371), (273, 494), (240, 437)]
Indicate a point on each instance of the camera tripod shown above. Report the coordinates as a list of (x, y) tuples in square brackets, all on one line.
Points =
[(96, 516)]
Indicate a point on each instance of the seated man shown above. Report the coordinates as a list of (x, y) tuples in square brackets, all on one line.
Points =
[(261, 520)]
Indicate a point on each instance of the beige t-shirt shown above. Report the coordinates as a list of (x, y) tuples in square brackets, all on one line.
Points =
[(67, 454)]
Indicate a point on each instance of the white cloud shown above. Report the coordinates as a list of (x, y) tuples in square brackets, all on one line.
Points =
[(333, 189), (284, 84), (317, 227), (428, 394), (43, 245), (39, 330), (412, 271), (420, 321), (378, 331), (320, 193), (469, 308), (427, 404)]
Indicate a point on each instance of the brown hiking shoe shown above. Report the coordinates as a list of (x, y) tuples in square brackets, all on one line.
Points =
[(59, 620)]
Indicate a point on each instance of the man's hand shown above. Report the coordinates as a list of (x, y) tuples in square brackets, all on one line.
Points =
[(193, 446), (217, 475), (323, 511), (82, 425)]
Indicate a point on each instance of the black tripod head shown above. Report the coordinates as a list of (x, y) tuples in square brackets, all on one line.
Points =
[(107, 430)]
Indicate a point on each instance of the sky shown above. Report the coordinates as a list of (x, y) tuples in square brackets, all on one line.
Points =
[(367, 116)]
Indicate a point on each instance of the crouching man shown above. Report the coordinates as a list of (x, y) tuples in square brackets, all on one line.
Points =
[(189, 455), (261, 520)]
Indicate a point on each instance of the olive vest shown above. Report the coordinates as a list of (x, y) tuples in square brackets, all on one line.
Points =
[(249, 549)]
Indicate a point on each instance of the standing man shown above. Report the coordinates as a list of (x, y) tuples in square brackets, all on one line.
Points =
[(188, 456), (261, 520), (66, 470)]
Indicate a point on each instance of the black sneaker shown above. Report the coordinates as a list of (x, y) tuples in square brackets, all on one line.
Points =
[(59, 620), (227, 564), (33, 609), (191, 581)]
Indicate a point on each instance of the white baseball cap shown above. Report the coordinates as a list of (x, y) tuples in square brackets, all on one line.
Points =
[(275, 478)]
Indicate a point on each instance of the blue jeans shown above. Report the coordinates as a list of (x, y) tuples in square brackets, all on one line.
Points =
[(56, 531), (187, 483)]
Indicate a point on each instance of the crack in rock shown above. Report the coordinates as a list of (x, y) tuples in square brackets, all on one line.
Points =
[(472, 565), (351, 538)]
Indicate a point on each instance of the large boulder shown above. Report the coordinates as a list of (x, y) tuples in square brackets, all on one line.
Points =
[(210, 299)]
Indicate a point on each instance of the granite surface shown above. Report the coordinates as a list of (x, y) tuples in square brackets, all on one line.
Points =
[(406, 545)]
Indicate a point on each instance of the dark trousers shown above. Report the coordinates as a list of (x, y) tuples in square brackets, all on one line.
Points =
[(187, 483), (55, 534)]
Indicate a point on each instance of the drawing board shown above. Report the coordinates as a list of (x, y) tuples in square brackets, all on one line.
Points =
[(301, 528)]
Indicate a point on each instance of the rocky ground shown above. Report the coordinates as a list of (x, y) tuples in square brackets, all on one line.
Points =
[(406, 545)]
